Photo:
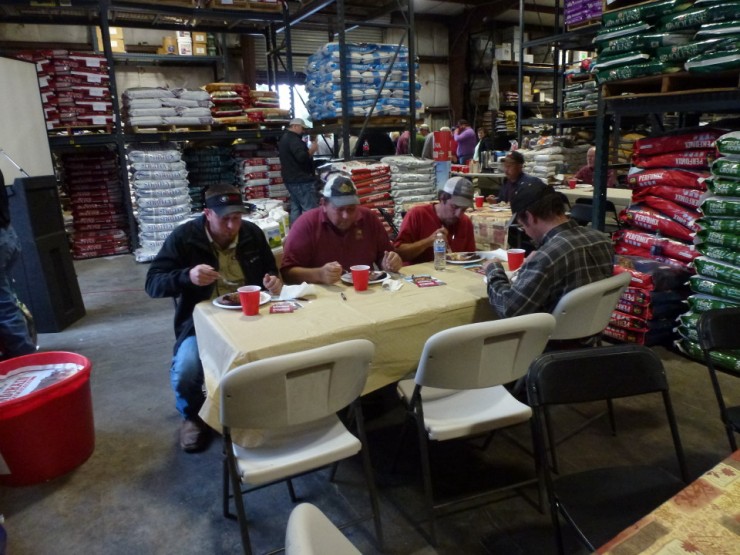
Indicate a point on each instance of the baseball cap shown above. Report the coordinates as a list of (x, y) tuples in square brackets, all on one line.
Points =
[(423, 126), (527, 194), (340, 190), (224, 200), (515, 156), (461, 190), (297, 121)]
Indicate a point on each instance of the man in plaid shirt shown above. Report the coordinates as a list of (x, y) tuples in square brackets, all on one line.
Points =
[(567, 255)]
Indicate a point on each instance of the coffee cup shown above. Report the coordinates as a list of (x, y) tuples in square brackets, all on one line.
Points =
[(249, 296), (360, 277), (515, 258)]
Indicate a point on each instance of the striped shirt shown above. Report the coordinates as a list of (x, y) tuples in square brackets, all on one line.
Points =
[(570, 256)]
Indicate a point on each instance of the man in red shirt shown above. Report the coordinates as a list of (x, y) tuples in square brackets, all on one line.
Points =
[(326, 241), (422, 223)]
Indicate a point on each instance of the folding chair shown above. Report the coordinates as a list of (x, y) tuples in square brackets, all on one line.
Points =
[(582, 314), (585, 217), (310, 532), (457, 390), (599, 503), (292, 401), (718, 331)]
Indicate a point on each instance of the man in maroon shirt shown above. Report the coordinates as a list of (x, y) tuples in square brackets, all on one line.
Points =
[(422, 223), (324, 242)]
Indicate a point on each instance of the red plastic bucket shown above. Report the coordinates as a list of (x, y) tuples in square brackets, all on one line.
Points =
[(50, 431)]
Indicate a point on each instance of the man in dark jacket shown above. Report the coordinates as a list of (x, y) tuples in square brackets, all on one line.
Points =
[(14, 337), (201, 260), (296, 167)]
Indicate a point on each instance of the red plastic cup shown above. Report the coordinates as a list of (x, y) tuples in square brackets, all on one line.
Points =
[(249, 296), (360, 277), (572, 183), (479, 202), (515, 258)]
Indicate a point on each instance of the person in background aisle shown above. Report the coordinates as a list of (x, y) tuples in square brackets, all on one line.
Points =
[(422, 223), (202, 259), (427, 152), (586, 173), (567, 255), (325, 144), (338, 234), (402, 145), (14, 337), (375, 143), (296, 167), (420, 140), (515, 178), (465, 138), (484, 144)]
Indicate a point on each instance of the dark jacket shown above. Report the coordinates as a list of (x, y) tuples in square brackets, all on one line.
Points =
[(296, 164), (187, 247), (4, 204)]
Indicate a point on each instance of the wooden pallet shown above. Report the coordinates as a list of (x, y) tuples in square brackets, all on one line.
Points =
[(243, 5), (584, 23), (168, 128), (377, 121), (67, 130), (672, 82), (579, 114)]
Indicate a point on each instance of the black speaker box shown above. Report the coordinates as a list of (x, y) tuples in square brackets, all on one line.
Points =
[(45, 278)]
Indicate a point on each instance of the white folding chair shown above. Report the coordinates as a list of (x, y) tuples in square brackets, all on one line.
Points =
[(310, 532), (292, 401), (457, 391), (583, 313)]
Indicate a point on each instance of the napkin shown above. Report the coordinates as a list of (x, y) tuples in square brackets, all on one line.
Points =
[(392, 284), (292, 291)]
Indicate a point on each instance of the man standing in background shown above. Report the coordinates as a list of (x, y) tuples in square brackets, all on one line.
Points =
[(466, 140), (296, 167), (420, 139), (14, 338)]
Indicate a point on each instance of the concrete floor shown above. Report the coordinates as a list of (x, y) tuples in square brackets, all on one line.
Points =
[(139, 493)]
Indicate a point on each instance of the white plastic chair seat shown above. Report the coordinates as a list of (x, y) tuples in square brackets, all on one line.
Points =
[(468, 412), (310, 532), (292, 451)]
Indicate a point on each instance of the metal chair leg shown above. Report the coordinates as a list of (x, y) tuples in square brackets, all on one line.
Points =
[(291, 491), (427, 477)]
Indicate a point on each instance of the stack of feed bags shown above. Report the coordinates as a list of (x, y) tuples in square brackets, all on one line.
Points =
[(207, 165), (258, 171), (158, 106), (717, 281), (412, 180)]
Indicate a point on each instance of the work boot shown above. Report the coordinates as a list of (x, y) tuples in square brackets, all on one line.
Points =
[(194, 435)]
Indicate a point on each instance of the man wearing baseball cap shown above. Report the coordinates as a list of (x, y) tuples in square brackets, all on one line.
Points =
[(340, 233), (513, 165), (202, 259), (296, 168), (567, 255), (447, 216)]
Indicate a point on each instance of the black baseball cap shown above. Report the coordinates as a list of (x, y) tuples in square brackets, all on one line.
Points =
[(528, 194), (515, 156), (224, 200)]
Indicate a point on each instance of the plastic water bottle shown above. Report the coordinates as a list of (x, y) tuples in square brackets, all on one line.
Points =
[(440, 252)]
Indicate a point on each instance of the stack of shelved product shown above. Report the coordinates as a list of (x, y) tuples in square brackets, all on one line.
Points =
[(368, 66), (92, 181), (580, 93), (668, 185), (665, 37), (581, 12), (159, 183), (258, 171), (266, 107), (230, 100), (145, 107), (373, 183), (74, 86), (412, 180), (210, 165), (717, 283), (551, 158), (647, 310)]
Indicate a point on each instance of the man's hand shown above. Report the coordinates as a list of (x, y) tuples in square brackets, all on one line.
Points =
[(330, 273), (391, 262), (273, 284), (203, 274), (433, 236)]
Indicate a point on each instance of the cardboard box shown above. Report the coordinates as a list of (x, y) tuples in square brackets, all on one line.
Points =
[(116, 39), (169, 45), (199, 36), (200, 49), (503, 52), (184, 48), (489, 229), (183, 35)]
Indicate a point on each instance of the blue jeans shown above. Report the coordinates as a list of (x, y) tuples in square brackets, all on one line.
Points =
[(303, 197), (14, 338), (464, 159), (186, 376)]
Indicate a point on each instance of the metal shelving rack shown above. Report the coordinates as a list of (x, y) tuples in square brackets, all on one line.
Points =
[(347, 125), (107, 13)]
